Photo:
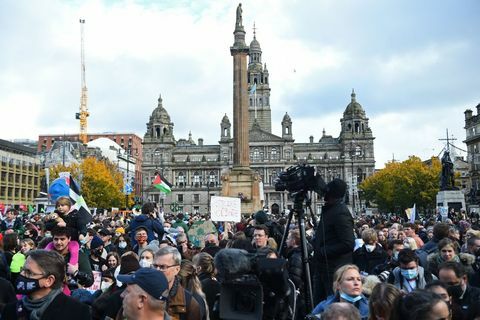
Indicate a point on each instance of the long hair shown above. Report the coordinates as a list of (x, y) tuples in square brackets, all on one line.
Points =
[(189, 280)]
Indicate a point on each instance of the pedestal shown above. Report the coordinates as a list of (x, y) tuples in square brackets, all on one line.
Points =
[(452, 199), (243, 183)]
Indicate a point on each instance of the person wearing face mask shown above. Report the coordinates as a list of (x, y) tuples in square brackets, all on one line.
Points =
[(146, 258), (370, 254), (347, 287), (454, 275), (40, 281), (141, 236), (97, 263), (409, 276), (122, 244)]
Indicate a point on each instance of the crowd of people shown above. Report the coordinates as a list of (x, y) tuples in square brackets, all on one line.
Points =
[(147, 266)]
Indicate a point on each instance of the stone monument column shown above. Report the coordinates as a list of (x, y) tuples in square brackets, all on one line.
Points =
[(239, 51), (241, 181)]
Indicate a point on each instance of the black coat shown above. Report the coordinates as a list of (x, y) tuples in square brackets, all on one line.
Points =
[(334, 239), (211, 288), (367, 261), (470, 303), (62, 307)]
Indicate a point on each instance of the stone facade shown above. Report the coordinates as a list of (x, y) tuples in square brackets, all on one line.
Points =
[(195, 169)]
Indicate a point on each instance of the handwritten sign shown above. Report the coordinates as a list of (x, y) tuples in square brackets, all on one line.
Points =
[(226, 209)]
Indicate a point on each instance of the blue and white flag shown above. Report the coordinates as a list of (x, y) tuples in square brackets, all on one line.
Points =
[(253, 89), (127, 189)]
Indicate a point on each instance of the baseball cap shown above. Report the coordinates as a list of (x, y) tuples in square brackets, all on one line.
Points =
[(152, 281)]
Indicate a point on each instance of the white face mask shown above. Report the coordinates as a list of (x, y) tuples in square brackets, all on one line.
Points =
[(105, 285), (144, 263), (122, 244), (370, 247)]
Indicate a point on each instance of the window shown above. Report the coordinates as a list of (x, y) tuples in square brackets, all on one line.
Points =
[(256, 154), (181, 179), (274, 154), (180, 197), (196, 198), (212, 178), (196, 178)]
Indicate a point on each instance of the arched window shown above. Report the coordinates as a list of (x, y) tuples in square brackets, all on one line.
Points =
[(287, 130), (196, 178), (181, 179), (157, 132)]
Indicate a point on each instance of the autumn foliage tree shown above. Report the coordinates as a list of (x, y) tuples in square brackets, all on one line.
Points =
[(401, 185), (101, 182)]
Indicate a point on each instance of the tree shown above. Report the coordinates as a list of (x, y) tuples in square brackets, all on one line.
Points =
[(400, 185), (101, 182)]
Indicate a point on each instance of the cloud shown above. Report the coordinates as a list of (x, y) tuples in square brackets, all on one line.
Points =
[(413, 73)]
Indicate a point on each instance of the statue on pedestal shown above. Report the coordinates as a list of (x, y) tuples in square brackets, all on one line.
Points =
[(239, 15), (447, 178)]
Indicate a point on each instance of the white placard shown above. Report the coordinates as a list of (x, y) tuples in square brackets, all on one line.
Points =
[(226, 209)]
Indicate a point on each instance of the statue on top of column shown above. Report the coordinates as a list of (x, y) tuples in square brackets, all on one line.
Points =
[(239, 15)]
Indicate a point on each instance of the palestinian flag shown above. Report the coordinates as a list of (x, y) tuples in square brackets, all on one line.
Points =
[(162, 184)]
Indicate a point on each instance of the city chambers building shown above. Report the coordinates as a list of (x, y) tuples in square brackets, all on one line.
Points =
[(195, 169)]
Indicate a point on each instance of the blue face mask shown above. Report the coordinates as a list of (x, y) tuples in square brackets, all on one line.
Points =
[(349, 298), (409, 274)]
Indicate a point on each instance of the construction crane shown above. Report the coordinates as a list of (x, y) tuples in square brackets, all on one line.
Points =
[(83, 114)]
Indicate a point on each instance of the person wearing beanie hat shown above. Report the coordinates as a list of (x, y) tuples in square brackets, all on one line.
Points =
[(261, 217), (334, 240), (97, 262), (119, 231)]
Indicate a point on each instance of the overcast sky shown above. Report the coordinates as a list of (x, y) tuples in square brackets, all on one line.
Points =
[(414, 66)]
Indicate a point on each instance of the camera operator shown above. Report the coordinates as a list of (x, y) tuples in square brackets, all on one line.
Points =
[(334, 240), (82, 276)]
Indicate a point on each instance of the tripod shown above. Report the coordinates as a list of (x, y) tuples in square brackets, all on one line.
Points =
[(298, 210)]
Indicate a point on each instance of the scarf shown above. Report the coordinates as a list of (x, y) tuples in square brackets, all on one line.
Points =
[(36, 308), (441, 260)]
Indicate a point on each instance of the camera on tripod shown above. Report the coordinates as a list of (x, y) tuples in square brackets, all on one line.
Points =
[(300, 178)]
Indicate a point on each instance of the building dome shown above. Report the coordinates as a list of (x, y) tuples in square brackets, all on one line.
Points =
[(354, 109), (159, 113), (225, 119), (286, 118), (255, 45)]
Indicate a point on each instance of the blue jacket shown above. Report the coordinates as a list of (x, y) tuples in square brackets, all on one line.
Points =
[(361, 305), (152, 225)]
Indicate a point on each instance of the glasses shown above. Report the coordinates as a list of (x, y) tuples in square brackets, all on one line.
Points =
[(163, 267), (27, 273)]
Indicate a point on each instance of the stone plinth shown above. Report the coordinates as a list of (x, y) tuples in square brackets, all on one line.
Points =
[(451, 199), (243, 183)]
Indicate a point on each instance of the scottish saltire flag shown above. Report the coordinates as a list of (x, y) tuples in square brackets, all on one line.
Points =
[(253, 89), (161, 183)]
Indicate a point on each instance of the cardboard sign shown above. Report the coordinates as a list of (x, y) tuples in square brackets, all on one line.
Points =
[(226, 209)]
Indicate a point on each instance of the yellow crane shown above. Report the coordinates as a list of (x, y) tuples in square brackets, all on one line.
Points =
[(83, 114)]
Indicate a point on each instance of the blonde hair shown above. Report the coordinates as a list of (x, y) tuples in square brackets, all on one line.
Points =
[(340, 273), (63, 201), (29, 242), (410, 242), (369, 235)]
